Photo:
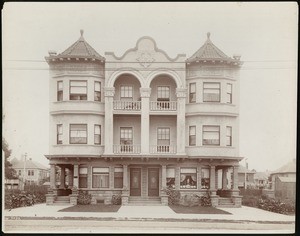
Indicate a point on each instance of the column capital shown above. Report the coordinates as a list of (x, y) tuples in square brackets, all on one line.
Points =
[(212, 167), (145, 92), (180, 92), (109, 91)]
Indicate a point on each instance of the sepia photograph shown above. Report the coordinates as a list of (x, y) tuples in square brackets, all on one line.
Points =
[(149, 117)]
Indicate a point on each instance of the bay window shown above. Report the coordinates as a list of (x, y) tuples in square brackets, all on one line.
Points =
[(97, 91), (59, 90), (59, 132), (229, 93), (97, 134), (192, 136), (192, 93), (228, 136)]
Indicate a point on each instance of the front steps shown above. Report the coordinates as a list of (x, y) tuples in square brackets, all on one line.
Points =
[(226, 202), (62, 200), (144, 201)]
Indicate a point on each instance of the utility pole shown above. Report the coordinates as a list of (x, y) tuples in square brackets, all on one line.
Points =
[(24, 169)]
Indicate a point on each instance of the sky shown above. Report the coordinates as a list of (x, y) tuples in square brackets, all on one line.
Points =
[(264, 34)]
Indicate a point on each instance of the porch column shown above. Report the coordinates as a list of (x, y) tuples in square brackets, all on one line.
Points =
[(76, 180), (62, 177), (52, 176), (145, 120), (181, 94), (109, 93), (224, 178), (125, 181), (199, 186), (163, 176), (70, 177), (212, 178), (235, 178)]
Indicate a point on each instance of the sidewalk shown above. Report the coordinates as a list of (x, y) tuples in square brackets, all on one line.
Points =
[(152, 213)]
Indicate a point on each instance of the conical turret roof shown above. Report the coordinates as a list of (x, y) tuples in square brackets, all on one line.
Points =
[(209, 52)]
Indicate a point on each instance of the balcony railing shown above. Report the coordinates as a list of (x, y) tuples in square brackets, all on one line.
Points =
[(163, 106), (118, 149), (162, 149), (127, 105)]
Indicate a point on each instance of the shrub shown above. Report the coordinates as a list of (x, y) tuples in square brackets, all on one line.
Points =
[(84, 198), (277, 206), (116, 199), (205, 200), (189, 200), (250, 201), (173, 196), (21, 199)]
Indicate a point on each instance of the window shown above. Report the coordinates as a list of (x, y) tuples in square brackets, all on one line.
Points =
[(211, 135), (97, 91), (118, 177), (30, 173), (192, 136), (97, 134), (126, 139), (78, 90), (192, 97), (163, 139), (229, 93), (205, 178), (83, 172), (188, 178), (100, 177), (228, 136), (59, 90), (171, 177), (59, 134), (211, 92), (20, 172), (163, 93), (78, 134), (126, 92)]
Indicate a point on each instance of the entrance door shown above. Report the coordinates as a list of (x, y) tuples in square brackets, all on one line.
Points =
[(153, 182), (135, 182)]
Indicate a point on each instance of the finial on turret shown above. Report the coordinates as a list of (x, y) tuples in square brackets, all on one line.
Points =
[(208, 35), (81, 32)]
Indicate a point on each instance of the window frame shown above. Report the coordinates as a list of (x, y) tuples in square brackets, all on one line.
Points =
[(119, 177), (205, 89), (207, 183), (78, 94), (96, 92), (169, 134), (203, 131), (132, 138), (229, 136), (192, 135), (101, 173), (59, 92), (59, 139), (229, 94), (75, 137), (192, 95), (195, 186), (97, 134), (171, 179), (161, 99), (83, 176), (126, 97)]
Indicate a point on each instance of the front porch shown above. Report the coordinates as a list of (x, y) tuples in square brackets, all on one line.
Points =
[(138, 179)]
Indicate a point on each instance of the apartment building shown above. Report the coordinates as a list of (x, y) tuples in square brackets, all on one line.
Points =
[(139, 123)]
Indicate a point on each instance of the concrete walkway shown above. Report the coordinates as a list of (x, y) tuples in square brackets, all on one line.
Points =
[(152, 212)]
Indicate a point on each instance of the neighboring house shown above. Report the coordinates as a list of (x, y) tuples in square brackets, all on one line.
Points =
[(284, 181), (35, 173), (137, 124), (246, 177), (12, 183), (261, 180)]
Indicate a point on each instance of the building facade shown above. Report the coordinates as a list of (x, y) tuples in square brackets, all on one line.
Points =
[(137, 124)]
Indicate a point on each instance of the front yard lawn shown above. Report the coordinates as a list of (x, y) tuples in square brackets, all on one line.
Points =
[(92, 208), (197, 210)]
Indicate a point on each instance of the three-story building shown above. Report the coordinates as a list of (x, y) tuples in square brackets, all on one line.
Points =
[(137, 124)]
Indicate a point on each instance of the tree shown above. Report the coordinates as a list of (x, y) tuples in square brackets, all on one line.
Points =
[(10, 173)]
